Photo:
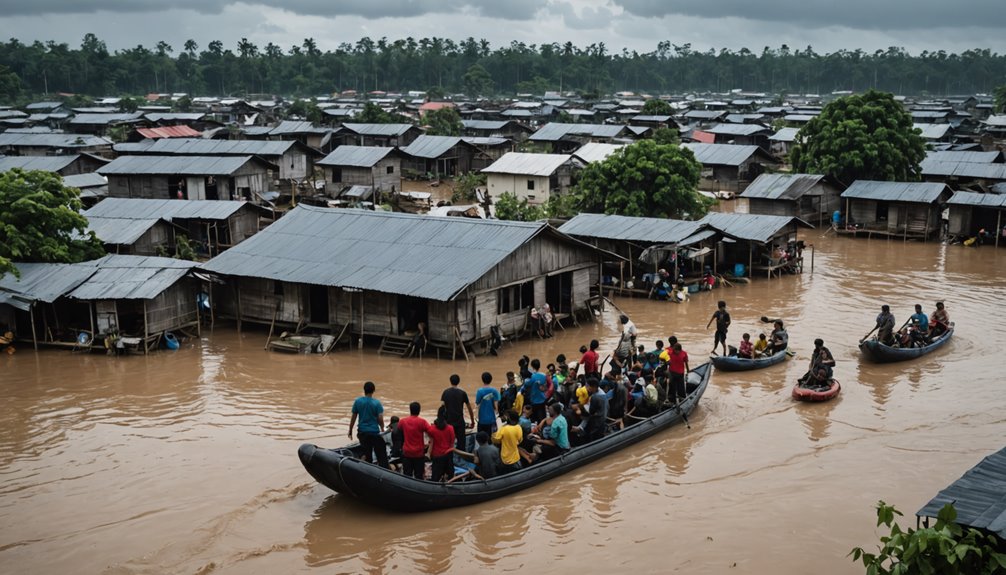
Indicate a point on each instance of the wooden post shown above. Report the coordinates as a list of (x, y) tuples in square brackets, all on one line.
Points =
[(360, 343), (811, 258), (750, 260), (145, 332), (34, 337), (90, 319), (237, 302), (999, 225), (272, 325)]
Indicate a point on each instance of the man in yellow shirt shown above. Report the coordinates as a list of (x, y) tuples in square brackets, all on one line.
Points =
[(508, 438), (760, 346)]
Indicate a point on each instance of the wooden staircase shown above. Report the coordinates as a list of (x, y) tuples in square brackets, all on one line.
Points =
[(394, 345)]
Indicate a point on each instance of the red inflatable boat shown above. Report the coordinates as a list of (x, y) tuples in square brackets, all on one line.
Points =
[(816, 394)]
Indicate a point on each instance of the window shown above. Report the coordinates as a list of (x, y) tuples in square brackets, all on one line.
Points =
[(336, 175), (530, 185), (277, 288), (516, 297), (391, 170)]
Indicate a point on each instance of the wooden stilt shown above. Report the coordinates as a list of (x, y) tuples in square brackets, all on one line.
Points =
[(146, 333), (34, 337)]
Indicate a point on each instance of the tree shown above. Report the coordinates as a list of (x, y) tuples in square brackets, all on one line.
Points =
[(668, 136), (477, 81), (305, 109), (465, 186), (129, 105), (508, 207), (655, 107), (10, 85), (1000, 102), (861, 137), (944, 549), (373, 114), (444, 122), (40, 221), (644, 179)]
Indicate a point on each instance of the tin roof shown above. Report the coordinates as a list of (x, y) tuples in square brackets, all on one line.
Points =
[(525, 164), (41, 282), (379, 129), (916, 192), (355, 156), (168, 132), (633, 229), (751, 227), (782, 186), (933, 131), (422, 256), (485, 124), (297, 127), (737, 129), (978, 200), (201, 147), (119, 231), (178, 165), (130, 277), (979, 496), (431, 146), (51, 140), (596, 151), (44, 163), (723, 154), (963, 169), (785, 135), (43, 106), (968, 157), (174, 116), (105, 119), (83, 181), (143, 208), (555, 131), (704, 114)]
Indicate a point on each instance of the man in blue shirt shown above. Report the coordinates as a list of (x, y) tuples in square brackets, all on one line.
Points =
[(486, 400), (920, 321), (371, 415), (536, 385), (556, 441)]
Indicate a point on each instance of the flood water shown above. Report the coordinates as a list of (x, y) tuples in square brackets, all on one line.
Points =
[(185, 462)]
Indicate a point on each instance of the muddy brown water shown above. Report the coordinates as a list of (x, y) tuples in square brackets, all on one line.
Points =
[(185, 462)]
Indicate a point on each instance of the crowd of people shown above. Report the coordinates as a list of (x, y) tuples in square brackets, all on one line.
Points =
[(920, 330)]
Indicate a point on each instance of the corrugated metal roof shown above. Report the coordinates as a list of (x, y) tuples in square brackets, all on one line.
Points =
[(422, 256), (633, 229), (525, 164), (168, 132), (737, 129), (431, 146), (752, 227), (995, 120), (51, 140), (201, 147), (596, 151), (174, 116), (130, 277), (704, 114), (979, 496), (976, 199), (963, 169), (105, 119), (119, 231), (356, 156), (43, 106), (517, 113), (650, 118), (999, 188), (83, 181), (555, 131), (485, 141), (297, 127), (5, 114), (798, 117), (917, 192), (177, 165), (782, 186), (385, 130), (722, 154), (933, 131), (785, 135), (485, 124), (744, 118), (143, 208), (44, 163), (43, 282), (966, 157)]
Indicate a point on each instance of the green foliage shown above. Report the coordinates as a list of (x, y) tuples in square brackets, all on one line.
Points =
[(944, 549), (183, 104), (645, 179), (657, 107), (477, 81), (306, 109), (373, 114), (40, 221), (465, 185), (184, 249), (129, 105), (861, 137), (508, 207), (560, 206), (666, 136), (118, 133), (443, 122), (1000, 102), (435, 93), (10, 85)]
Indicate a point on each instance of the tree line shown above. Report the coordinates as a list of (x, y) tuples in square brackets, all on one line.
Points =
[(476, 68)]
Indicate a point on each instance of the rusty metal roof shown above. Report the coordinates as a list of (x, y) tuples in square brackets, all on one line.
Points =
[(168, 132)]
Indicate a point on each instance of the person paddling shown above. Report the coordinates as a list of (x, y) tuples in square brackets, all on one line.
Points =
[(885, 325), (939, 321)]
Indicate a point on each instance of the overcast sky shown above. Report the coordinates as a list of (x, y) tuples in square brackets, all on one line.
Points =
[(827, 25)]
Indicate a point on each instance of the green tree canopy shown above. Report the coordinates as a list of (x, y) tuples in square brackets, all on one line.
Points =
[(477, 81), (306, 109), (508, 207), (861, 137), (443, 122), (645, 179), (373, 114), (40, 221), (666, 136), (655, 107), (10, 85), (1000, 102)]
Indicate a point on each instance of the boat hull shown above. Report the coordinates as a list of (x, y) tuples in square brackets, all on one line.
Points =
[(341, 471), (877, 352), (807, 394), (734, 363)]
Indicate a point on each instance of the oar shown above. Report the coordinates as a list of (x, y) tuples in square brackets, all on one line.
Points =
[(765, 319), (862, 339), (600, 366)]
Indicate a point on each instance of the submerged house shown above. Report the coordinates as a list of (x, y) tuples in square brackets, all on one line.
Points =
[(810, 197), (327, 270), (188, 177), (971, 212), (898, 209), (79, 305)]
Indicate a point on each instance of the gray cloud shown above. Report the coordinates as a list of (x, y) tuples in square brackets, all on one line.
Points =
[(858, 14), (589, 18)]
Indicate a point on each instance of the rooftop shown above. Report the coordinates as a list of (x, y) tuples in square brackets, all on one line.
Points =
[(525, 164)]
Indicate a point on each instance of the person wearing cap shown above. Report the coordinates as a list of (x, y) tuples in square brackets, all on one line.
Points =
[(885, 325), (939, 321)]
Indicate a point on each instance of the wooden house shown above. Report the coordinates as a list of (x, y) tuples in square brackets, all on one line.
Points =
[(565, 138), (909, 210), (782, 141), (328, 270), (140, 226), (384, 135), (294, 159), (63, 165), (810, 197), (100, 124), (377, 167), (319, 138), (741, 134), (971, 212), (509, 129), (974, 169), (188, 177), (727, 167), (753, 238), (533, 177), (79, 305), (440, 156), (50, 144)]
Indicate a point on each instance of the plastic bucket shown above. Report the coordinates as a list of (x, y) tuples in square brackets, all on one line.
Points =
[(170, 341), (739, 270)]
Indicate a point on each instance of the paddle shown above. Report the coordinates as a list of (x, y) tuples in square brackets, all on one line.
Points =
[(862, 339), (765, 319)]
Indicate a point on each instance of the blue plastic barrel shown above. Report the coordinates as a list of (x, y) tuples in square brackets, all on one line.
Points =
[(739, 270), (170, 341)]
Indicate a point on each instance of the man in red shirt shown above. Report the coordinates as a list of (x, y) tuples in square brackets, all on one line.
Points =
[(677, 365), (589, 360), (441, 450), (414, 431)]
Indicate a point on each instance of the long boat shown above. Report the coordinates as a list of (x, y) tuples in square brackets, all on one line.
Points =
[(343, 471), (875, 351), (735, 363)]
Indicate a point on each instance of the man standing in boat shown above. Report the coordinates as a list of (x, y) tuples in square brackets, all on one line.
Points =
[(370, 412), (885, 325), (453, 400)]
